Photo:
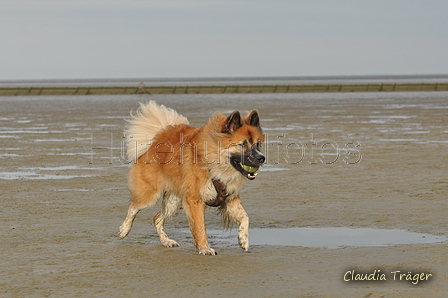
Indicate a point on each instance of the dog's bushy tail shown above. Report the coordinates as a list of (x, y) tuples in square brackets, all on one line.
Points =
[(145, 124)]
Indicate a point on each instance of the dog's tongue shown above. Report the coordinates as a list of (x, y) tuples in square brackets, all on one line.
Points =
[(250, 169)]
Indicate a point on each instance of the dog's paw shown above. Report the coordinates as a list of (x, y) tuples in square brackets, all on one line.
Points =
[(243, 242), (169, 243), (207, 251), (123, 231)]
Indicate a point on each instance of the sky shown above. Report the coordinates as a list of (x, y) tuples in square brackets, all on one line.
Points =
[(90, 39)]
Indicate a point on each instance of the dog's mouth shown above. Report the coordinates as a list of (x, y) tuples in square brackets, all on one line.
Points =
[(250, 172)]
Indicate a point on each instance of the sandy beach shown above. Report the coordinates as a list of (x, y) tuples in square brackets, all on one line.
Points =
[(335, 160)]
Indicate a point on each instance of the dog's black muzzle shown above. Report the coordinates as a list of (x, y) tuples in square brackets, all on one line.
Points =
[(254, 159), (248, 162)]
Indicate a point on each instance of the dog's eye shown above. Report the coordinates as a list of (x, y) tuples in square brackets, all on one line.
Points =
[(243, 144), (258, 145)]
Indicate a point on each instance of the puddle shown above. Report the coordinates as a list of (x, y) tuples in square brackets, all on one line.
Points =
[(418, 132), (271, 169), (33, 131), (8, 155), (278, 128), (398, 140), (56, 140), (34, 173), (73, 154), (59, 168), (35, 176), (328, 237)]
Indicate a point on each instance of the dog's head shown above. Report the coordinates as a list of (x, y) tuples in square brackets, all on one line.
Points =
[(245, 139)]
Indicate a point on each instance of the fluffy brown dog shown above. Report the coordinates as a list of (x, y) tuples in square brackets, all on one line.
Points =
[(191, 168)]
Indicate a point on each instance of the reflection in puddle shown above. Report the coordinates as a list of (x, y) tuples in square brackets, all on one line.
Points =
[(329, 237)]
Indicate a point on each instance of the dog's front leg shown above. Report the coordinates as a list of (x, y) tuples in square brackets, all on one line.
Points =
[(195, 210), (236, 213)]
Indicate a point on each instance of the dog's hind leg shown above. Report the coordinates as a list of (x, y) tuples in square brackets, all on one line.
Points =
[(127, 223), (138, 203), (233, 212), (171, 204)]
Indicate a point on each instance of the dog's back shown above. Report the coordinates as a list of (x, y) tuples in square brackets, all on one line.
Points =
[(149, 120)]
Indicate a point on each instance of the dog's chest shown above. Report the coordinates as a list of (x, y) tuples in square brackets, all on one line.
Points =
[(209, 192), (215, 192)]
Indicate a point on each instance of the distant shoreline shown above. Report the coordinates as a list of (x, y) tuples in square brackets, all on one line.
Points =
[(222, 89), (228, 81)]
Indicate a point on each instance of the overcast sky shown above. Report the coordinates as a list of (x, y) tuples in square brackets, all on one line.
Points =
[(84, 39)]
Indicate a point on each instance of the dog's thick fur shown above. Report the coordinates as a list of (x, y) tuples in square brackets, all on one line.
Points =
[(191, 168)]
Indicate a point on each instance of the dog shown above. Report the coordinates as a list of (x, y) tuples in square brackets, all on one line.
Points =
[(191, 168)]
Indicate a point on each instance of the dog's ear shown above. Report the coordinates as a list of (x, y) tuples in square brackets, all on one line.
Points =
[(233, 122), (254, 119)]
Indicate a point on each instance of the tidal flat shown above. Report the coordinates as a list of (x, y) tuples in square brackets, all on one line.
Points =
[(335, 160)]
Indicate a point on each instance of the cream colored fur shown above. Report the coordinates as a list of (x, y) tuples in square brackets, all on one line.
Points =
[(149, 120)]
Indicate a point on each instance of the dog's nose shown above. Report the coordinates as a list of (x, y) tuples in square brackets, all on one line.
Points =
[(260, 159)]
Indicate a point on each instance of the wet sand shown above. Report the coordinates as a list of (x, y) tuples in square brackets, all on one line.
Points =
[(358, 160)]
